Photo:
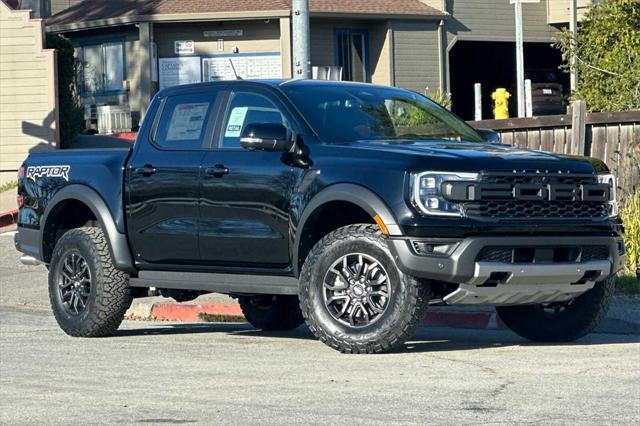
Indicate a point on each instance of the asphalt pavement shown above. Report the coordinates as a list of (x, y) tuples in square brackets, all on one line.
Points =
[(170, 373)]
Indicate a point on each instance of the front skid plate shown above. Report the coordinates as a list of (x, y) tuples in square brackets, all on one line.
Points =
[(529, 283)]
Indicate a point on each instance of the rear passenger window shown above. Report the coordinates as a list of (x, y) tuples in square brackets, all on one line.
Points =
[(184, 120)]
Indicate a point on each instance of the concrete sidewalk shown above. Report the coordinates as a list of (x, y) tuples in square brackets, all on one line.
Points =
[(623, 316)]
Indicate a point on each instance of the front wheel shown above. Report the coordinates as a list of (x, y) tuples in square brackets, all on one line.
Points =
[(354, 298), (560, 321)]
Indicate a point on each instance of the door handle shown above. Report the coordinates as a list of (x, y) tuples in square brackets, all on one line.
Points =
[(218, 170), (147, 170)]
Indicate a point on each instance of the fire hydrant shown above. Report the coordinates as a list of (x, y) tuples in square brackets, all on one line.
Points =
[(500, 103)]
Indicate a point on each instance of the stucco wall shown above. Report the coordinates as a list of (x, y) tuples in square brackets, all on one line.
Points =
[(28, 111)]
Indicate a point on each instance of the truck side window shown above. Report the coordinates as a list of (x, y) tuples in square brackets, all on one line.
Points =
[(183, 123), (248, 108)]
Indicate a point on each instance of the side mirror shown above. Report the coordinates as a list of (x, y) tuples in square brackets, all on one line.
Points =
[(265, 137), (489, 136)]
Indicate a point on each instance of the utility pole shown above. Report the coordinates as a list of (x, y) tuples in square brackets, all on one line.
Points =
[(573, 29), (520, 54), (301, 39), (519, 58)]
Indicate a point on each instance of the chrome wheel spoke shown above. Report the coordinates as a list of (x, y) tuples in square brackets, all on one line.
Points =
[(356, 290), (74, 283)]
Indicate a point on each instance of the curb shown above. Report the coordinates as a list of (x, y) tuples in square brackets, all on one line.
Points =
[(8, 218), (214, 312)]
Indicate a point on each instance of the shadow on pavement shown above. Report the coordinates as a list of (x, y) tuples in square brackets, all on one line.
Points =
[(426, 340)]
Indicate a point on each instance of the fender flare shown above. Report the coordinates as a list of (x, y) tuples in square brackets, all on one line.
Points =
[(352, 193), (117, 242)]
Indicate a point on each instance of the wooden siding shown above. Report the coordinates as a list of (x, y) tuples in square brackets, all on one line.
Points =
[(28, 112), (611, 137), (323, 45), (558, 10), (494, 20), (416, 55)]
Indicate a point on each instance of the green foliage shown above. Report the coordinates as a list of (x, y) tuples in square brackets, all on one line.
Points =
[(607, 49), (439, 97), (9, 185), (70, 112), (630, 213), (628, 284)]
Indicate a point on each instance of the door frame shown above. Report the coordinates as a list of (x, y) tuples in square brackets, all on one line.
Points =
[(364, 32)]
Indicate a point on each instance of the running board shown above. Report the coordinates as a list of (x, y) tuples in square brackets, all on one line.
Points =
[(217, 283)]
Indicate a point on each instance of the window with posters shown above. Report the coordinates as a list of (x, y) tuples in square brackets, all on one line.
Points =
[(248, 108), (183, 123)]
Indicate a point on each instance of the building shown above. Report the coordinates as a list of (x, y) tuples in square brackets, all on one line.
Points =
[(28, 93), (130, 49)]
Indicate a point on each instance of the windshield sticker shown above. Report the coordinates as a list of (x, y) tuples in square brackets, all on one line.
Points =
[(187, 122), (34, 173), (236, 121)]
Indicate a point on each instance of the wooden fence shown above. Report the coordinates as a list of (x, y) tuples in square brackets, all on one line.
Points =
[(611, 137)]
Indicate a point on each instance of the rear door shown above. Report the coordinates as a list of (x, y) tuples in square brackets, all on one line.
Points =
[(163, 180), (245, 203)]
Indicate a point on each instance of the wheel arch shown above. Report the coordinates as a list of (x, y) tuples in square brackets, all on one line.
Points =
[(117, 242), (356, 195)]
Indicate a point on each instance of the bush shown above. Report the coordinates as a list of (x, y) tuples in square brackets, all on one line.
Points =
[(71, 113), (630, 213), (439, 97)]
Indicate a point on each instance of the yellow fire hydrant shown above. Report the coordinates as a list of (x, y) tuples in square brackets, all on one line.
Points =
[(500, 103)]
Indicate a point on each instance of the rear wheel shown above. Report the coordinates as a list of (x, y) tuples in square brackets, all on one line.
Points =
[(88, 295), (561, 321), (354, 298), (271, 313)]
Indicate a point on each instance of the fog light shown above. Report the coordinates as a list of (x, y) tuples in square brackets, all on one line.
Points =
[(436, 248)]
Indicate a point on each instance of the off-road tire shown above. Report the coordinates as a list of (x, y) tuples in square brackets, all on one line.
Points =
[(406, 304), (577, 319), (109, 296), (271, 313)]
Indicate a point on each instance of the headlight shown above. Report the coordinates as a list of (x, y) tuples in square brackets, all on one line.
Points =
[(426, 192), (610, 180)]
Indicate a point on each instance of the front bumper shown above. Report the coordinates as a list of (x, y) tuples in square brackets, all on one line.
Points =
[(498, 283)]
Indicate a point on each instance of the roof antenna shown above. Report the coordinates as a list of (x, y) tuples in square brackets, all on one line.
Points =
[(234, 70)]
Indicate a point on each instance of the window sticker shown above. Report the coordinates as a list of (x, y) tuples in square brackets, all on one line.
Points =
[(187, 121), (236, 122)]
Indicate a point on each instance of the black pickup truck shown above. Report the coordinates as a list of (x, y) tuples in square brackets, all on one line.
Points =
[(350, 207)]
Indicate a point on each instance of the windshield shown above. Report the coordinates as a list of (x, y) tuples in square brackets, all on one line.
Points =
[(340, 114)]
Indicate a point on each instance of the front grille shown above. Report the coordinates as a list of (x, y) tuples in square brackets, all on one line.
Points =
[(499, 198), (573, 254), (535, 210)]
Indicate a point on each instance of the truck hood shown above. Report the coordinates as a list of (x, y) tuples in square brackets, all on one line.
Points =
[(475, 156)]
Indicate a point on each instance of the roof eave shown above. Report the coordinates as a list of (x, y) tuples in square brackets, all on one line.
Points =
[(381, 16), (167, 18)]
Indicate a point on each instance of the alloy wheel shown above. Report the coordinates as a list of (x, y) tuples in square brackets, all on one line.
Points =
[(74, 283), (356, 290)]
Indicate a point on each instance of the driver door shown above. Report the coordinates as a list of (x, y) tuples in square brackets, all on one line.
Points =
[(245, 195)]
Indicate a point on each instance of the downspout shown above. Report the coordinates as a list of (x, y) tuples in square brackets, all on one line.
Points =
[(442, 56)]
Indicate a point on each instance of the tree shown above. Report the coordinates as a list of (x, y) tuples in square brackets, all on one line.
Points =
[(607, 50), (71, 113)]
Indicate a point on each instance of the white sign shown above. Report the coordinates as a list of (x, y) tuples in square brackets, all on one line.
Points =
[(177, 71), (187, 121), (236, 121), (224, 33), (247, 66), (184, 47), (523, 1)]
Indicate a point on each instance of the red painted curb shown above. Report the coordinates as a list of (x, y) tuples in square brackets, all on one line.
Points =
[(192, 313), (8, 218), (454, 319)]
